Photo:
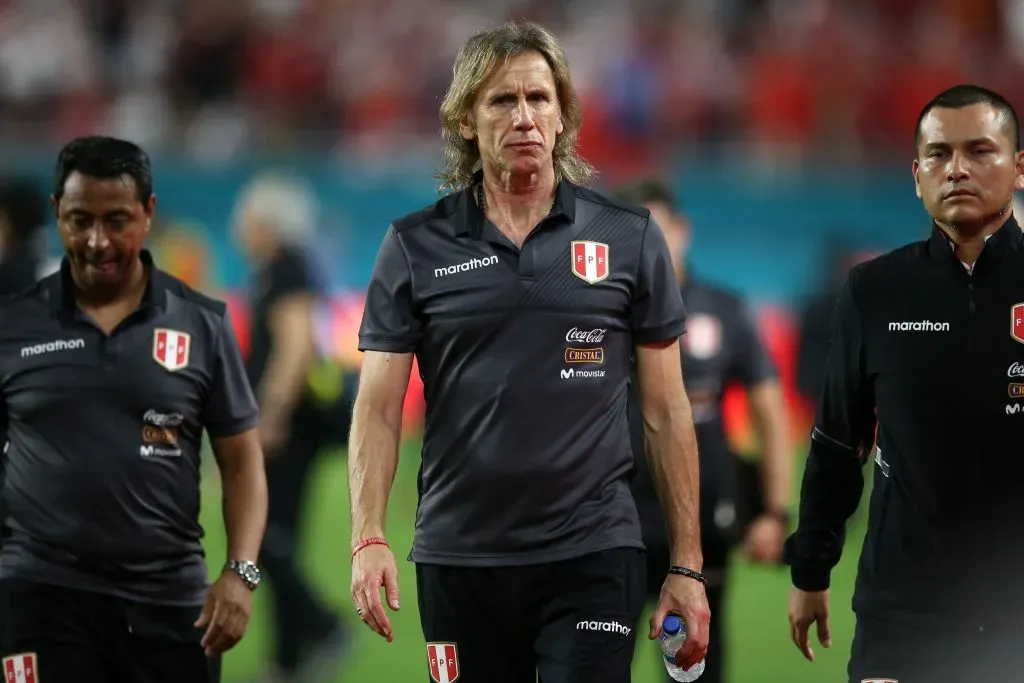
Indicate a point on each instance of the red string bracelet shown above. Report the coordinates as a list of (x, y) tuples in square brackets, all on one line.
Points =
[(375, 540)]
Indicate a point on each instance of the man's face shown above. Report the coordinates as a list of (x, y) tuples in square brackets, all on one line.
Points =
[(967, 164), (102, 226), (250, 233), (516, 117), (676, 230)]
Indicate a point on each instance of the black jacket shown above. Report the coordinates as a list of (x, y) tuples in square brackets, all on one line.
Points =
[(933, 355)]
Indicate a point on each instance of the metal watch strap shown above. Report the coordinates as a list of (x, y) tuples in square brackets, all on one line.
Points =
[(247, 570)]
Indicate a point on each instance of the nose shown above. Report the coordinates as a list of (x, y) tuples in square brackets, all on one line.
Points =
[(958, 168), (98, 239), (522, 117)]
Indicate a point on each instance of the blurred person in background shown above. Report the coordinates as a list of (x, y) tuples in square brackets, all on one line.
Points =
[(275, 219), (22, 213), (524, 297), (815, 317), (924, 374), (722, 346)]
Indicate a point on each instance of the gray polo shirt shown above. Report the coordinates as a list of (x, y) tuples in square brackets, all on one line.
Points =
[(103, 433), (525, 356)]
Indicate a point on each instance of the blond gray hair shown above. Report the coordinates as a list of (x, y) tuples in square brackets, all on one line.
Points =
[(477, 60), (285, 203)]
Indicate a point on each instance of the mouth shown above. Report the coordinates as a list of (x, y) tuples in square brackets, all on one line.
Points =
[(524, 145), (959, 193), (108, 267)]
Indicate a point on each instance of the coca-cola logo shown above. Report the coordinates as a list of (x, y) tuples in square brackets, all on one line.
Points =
[(1016, 370), (595, 336)]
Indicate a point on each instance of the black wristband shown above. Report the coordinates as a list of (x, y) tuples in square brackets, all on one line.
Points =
[(683, 571)]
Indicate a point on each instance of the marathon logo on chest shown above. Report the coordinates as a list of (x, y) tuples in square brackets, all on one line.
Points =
[(171, 349), (590, 261), (53, 346), (21, 668), (919, 326), (443, 660)]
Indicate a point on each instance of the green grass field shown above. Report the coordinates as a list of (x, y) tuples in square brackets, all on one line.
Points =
[(758, 631)]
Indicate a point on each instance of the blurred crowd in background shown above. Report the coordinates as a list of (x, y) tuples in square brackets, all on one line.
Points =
[(796, 78), (220, 90)]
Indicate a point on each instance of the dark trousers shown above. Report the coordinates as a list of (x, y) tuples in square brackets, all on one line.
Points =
[(572, 621), (63, 635), (948, 652), (716, 556), (301, 619)]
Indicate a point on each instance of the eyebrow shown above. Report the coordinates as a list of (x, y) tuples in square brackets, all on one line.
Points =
[(971, 143)]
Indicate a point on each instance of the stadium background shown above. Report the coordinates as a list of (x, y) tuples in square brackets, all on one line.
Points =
[(785, 126)]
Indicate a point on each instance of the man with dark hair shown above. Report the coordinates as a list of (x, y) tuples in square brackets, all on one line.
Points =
[(923, 379), (722, 347), (22, 212), (110, 372), (962, 96)]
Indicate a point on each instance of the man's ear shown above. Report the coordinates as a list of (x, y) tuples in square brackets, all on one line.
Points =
[(467, 128)]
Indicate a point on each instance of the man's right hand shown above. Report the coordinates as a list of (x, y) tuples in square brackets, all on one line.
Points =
[(806, 608), (374, 568)]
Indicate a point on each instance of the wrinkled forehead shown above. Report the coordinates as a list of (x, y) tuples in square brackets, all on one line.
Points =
[(523, 71)]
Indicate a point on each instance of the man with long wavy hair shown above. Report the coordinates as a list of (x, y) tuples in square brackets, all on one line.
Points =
[(525, 296)]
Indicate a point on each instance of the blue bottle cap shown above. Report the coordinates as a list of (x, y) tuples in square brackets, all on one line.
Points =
[(671, 625)]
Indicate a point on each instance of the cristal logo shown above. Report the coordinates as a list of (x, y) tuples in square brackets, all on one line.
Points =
[(1015, 370), (595, 336)]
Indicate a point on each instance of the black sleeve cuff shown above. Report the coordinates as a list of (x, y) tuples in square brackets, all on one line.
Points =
[(387, 344), (654, 335), (810, 578), (231, 428)]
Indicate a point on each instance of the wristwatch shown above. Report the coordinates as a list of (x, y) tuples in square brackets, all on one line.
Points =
[(248, 571)]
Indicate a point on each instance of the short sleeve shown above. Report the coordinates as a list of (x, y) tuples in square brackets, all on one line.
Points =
[(752, 364), (390, 322), (658, 311), (230, 407), (293, 275)]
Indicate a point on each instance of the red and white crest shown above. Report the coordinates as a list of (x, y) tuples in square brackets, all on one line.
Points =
[(1017, 322), (703, 338), (590, 261), (21, 668), (171, 349), (443, 659)]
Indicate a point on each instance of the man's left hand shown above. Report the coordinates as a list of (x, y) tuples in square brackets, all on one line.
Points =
[(765, 538), (225, 614), (685, 597)]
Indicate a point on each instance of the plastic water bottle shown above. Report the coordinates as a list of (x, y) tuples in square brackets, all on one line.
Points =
[(673, 635)]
